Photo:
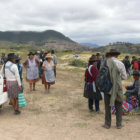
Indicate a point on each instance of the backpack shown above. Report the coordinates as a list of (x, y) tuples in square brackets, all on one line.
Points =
[(103, 79), (136, 65)]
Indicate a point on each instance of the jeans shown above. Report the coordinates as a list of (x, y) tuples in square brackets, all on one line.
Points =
[(90, 104), (129, 72)]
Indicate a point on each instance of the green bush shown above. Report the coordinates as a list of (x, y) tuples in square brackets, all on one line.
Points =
[(78, 63)]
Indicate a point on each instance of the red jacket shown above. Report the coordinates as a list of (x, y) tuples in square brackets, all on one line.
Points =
[(94, 72)]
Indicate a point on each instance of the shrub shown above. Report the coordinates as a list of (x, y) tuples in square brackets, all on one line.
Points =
[(78, 63)]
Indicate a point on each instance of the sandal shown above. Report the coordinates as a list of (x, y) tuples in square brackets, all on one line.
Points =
[(17, 112)]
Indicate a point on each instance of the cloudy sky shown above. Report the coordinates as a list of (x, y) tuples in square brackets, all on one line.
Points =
[(92, 21)]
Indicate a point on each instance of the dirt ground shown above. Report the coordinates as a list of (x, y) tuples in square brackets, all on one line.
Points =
[(62, 114)]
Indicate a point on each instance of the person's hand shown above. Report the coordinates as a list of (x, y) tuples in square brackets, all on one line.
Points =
[(45, 69), (20, 87)]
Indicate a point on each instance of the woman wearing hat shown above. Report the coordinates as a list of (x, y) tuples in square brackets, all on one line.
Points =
[(48, 74), (90, 77), (32, 70), (13, 81)]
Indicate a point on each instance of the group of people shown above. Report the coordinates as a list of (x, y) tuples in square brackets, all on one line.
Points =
[(112, 71), (134, 64), (12, 71), (41, 65)]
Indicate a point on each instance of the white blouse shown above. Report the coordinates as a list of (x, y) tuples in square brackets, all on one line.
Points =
[(9, 75)]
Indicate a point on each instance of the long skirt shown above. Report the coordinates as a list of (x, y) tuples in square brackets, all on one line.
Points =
[(13, 89)]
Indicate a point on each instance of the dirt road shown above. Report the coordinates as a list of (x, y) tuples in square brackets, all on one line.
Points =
[(62, 115)]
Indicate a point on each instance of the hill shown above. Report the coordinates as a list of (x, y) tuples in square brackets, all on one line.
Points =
[(38, 38), (49, 39), (123, 47), (90, 44)]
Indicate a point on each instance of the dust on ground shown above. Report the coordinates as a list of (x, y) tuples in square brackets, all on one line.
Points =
[(62, 114)]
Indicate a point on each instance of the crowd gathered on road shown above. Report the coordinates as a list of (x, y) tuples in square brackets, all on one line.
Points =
[(103, 80), (39, 65)]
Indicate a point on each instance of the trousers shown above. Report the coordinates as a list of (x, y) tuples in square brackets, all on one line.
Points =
[(118, 106), (90, 104)]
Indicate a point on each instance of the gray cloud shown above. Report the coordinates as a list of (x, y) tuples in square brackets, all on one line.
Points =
[(94, 21)]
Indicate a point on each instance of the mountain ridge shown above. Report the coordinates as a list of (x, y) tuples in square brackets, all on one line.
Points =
[(50, 39)]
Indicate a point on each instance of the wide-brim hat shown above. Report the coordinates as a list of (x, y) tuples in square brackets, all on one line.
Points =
[(93, 59), (136, 73), (11, 56), (98, 54), (49, 55), (31, 53), (114, 52)]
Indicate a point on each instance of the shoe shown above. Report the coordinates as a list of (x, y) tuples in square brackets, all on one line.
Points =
[(91, 110), (106, 126), (10, 103), (99, 112), (17, 112), (119, 127)]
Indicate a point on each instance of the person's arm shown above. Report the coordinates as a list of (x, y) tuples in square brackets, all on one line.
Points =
[(135, 89), (55, 59), (44, 66), (1, 71), (123, 72), (15, 70), (130, 87), (25, 64), (37, 62), (52, 65), (21, 71)]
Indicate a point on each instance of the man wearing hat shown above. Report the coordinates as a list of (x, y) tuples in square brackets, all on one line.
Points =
[(117, 72), (134, 89), (54, 61)]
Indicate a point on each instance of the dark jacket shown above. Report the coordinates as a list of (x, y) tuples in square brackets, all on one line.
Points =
[(133, 89), (126, 63)]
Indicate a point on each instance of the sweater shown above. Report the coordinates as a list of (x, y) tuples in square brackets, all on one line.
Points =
[(13, 73), (94, 72)]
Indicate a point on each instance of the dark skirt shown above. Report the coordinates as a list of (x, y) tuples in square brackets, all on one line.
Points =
[(13, 89), (88, 92)]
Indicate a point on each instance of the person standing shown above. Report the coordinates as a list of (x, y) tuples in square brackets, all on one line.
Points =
[(48, 74), (32, 70), (127, 65), (94, 95), (54, 61), (117, 72), (98, 61), (13, 81)]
